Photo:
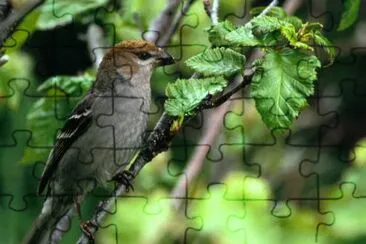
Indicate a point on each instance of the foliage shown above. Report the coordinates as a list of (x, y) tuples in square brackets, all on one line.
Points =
[(217, 61), (283, 78), (281, 83), (56, 13), (185, 95), (350, 14)]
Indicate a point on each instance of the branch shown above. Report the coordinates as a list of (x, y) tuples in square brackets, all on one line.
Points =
[(9, 24), (273, 4), (215, 12), (162, 22), (10, 19)]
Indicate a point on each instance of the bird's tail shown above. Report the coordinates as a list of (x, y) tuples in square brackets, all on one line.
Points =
[(41, 230)]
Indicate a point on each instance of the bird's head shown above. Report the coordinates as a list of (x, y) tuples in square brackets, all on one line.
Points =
[(129, 59)]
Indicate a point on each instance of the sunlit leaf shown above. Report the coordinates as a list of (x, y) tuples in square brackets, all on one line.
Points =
[(218, 32), (185, 95), (243, 36), (289, 32), (217, 61), (280, 85), (273, 12), (265, 24)]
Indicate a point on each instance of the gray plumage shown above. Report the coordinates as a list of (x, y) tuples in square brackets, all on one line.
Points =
[(102, 134)]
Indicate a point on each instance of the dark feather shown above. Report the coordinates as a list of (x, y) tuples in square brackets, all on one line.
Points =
[(78, 122)]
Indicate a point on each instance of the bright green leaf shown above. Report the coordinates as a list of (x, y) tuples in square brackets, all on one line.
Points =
[(295, 21), (265, 24), (350, 14), (312, 27), (217, 61), (280, 85), (243, 36), (61, 12), (278, 13), (47, 115), (289, 32), (218, 32), (274, 12), (185, 95)]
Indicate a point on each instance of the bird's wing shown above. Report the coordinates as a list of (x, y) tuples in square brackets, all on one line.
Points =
[(78, 122)]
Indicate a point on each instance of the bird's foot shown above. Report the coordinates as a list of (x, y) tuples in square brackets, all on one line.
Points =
[(86, 229), (125, 177)]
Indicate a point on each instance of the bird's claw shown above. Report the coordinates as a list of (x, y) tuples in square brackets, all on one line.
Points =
[(85, 228), (125, 178)]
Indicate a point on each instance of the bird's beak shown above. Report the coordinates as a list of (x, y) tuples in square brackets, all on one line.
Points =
[(166, 59)]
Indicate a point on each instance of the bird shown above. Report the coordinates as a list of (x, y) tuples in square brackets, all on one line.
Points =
[(102, 134)]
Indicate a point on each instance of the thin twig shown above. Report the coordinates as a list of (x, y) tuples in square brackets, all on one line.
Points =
[(215, 12), (207, 7), (10, 19), (273, 4)]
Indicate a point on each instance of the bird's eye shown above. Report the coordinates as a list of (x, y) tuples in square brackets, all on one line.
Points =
[(144, 55)]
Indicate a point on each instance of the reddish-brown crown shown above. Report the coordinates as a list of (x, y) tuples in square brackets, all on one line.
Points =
[(131, 46), (142, 45)]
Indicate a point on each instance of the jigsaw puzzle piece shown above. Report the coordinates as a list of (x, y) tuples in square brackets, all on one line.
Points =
[(15, 196), (214, 222), (346, 204), (150, 216)]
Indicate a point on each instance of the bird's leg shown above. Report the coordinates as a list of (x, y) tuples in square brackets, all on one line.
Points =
[(85, 226), (125, 177)]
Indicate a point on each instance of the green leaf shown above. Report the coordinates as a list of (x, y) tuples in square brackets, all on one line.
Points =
[(322, 41), (280, 85), (61, 12), (279, 13), (243, 36), (47, 115), (185, 95), (289, 32), (217, 61), (350, 14), (218, 32), (295, 21), (274, 12), (265, 24), (312, 27)]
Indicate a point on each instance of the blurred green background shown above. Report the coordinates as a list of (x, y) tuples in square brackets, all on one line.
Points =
[(304, 185)]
